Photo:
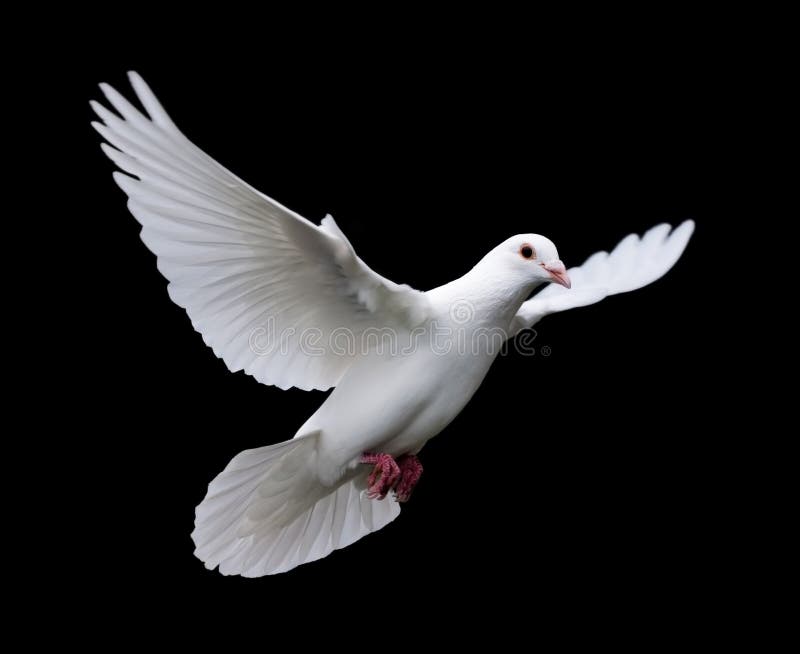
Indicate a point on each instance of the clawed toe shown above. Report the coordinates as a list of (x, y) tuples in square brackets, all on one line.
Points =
[(410, 472), (401, 475), (384, 475)]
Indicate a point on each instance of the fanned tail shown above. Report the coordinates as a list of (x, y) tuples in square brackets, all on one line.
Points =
[(267, 512)]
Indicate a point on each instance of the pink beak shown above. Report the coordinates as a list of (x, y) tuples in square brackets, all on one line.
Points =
[(558, 273)]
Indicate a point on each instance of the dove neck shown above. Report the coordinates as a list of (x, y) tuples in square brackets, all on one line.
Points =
[(495, 301)]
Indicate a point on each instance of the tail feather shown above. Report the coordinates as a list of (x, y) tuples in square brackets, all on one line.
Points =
[(267, 512)]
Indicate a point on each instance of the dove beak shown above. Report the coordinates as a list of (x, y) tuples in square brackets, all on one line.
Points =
[(558, 273)]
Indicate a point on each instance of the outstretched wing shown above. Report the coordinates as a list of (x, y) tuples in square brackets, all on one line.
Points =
[(634, 263), (268, 290)]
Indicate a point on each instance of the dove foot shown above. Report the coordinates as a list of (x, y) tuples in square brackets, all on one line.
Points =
[(410, 472), (383, 477)]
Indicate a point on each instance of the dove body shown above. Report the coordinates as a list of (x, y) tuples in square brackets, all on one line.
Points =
[(237, 261), (411, 385)]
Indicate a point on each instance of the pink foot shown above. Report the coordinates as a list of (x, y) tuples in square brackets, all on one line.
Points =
[(410, 472), (383, 477)]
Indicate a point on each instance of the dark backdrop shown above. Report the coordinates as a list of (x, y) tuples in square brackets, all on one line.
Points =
[(590, 475)]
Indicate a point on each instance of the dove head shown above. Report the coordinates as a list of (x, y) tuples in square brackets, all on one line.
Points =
[(529, 258)]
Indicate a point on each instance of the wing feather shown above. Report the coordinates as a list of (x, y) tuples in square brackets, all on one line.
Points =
[(242, 265), (634, 263)]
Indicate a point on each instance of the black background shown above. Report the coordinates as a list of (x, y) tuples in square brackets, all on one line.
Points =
[(586, 481)]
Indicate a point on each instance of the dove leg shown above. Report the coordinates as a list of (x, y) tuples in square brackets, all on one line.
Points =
[(410, 472), (383, 476)]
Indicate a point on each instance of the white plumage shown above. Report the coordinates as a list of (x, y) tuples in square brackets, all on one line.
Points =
[(232, 528), (235, 257), (271, 292)]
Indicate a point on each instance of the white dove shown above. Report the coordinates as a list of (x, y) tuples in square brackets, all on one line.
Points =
[(290, 303)]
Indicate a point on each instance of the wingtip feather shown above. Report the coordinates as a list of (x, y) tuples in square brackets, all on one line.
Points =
[(110, 151), (123, 181), (687, 225), (150, 102)]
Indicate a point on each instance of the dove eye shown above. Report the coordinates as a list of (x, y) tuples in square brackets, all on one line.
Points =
[(527, 251)]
